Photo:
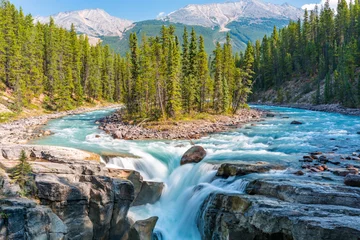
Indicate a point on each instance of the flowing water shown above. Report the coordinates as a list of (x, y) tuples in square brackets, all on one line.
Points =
[(186, 187)]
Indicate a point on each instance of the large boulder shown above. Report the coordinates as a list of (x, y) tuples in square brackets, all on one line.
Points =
[(144, 191), (194, 155), (142, 229), (352, 180), (150, 193), (243, 168)]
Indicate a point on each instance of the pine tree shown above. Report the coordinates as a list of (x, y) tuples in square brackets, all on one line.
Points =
[(218, 83), (76, 65), (173, 106), (193, 83), (203, 75), (21, 172)]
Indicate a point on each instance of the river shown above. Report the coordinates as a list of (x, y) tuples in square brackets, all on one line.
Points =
[(186, 187)]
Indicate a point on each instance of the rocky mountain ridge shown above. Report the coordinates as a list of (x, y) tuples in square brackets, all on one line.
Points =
[(93, 22), (221, 14)]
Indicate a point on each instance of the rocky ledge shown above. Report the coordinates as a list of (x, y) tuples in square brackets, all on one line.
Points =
[(284, 206), (120, 129), (73, 196)]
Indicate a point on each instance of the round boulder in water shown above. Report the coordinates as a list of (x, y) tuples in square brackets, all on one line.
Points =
[(296, 123), (193, 155)]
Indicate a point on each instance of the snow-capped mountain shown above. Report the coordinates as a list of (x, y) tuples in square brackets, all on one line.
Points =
[(93, 22), (221, 14)]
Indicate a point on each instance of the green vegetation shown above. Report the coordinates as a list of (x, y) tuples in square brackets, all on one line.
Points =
[(3, 215), (43, 59), (21, 174), (164, 82), (324, 45), (4, 117), (156, 79)]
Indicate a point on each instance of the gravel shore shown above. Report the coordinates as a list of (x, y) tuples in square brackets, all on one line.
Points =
[(193, 129)]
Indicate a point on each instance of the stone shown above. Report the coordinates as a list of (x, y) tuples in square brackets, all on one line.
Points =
[(131, 175), (305, 192), (51, 153), (296, 123), (149, 194), (239, 216), (194, 155), (344, 171), (243, 168), (352, 180), (142, 229), (299, 173), (123, 197)]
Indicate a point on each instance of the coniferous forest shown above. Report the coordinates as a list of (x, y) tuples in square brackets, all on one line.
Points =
[(159, 77), (324, 45)]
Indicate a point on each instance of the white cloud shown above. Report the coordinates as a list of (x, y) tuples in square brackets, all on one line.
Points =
[(161, 15), (311, 6)]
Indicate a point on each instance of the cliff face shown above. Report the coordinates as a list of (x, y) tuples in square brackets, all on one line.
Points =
[(300, 207), (72, 199)]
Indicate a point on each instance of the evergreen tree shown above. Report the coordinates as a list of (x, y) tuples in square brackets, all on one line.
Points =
[(21, 172)]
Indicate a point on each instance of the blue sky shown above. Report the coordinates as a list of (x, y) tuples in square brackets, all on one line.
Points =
[(136, 10)]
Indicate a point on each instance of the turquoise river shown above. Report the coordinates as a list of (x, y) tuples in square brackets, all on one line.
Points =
[(272, 140)]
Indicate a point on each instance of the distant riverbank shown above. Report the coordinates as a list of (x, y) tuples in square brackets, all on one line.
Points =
[(331, 108)]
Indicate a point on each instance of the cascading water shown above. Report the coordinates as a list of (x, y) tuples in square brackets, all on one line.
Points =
[(186, 187)]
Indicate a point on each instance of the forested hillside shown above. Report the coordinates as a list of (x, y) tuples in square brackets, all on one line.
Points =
[(158, 78), (48, 61), (241, 32), (321, 53)]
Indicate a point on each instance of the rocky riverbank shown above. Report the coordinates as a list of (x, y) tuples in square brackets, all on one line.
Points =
[(310, 205), (23, 130), (73, 197), (194, 129), (331, 108)]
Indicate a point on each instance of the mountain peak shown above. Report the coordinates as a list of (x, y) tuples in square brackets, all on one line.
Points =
[(221, 14), (93, 22)]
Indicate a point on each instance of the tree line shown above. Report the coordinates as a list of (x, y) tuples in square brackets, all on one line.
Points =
[(159, 77), (167, 79), (324, 45)]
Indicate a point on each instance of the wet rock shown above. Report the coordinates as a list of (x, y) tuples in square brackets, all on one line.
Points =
[(296, 123), (238, 216), (244, 168), (150, 193), (344, 171), (142, 229), (305, 192), (299, 173), (194, 155), (270, 115), (315, 153), (352, 180), (131, 175)]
